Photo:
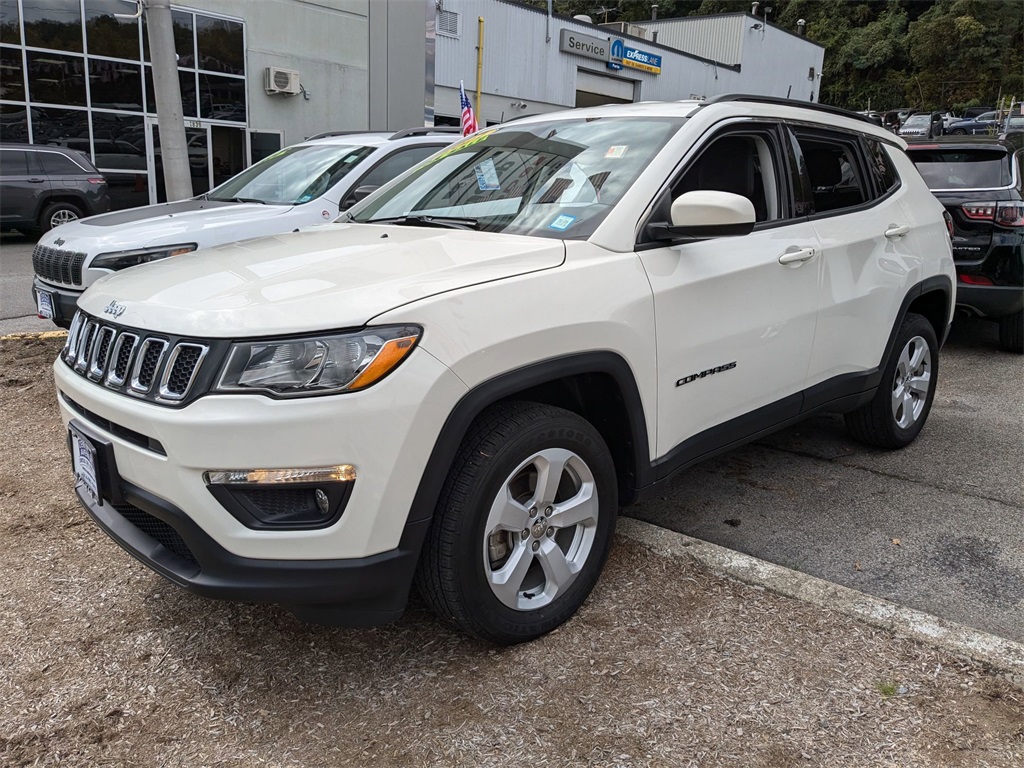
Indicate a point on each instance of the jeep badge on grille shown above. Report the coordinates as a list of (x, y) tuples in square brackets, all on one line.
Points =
[(115, 309)]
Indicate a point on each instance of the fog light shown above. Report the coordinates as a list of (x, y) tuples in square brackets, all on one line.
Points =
[(322, 501), (283, 499)]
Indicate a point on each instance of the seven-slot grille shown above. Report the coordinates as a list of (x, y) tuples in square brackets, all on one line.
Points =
[(58, 266), (132, 362)]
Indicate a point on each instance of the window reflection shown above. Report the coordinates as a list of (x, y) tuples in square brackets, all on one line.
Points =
[(115, 85), (14, 123), (222, 98), (108, 35), (187, 85), (119, 144), (184, 45), (12, 83), (66, 127), (55, 78), (54, 24), (221, 48), (10, 24)]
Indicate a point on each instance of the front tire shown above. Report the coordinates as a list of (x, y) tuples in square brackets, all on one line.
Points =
[(900, 407), (958, 132), (1011, 332), (523, 525), (56, 214)]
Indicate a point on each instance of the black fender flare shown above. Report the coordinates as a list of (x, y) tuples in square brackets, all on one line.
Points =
[(507, 384)]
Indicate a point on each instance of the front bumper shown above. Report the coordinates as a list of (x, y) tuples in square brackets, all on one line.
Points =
[(65, 301), (355, 592), (157, 506)]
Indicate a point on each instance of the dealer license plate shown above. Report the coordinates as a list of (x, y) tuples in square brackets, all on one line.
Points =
[(44, 304), (83, 461)]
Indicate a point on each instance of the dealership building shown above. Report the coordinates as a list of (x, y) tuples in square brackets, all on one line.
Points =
[(256, 76)]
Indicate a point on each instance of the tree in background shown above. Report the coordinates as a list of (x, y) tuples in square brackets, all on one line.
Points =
[(928, 54)]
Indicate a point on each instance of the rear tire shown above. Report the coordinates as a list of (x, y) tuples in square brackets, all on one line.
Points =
[(1011, 332), (523, 525), (900, 407), (56, 214)]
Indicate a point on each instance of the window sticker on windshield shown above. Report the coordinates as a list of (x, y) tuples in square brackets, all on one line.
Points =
[(487, 175), (618, 150), (562, 223)]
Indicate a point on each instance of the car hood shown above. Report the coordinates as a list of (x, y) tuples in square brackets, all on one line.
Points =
[(175, 223), (326, 277)]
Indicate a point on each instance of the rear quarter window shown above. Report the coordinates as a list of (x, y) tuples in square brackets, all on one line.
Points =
[(971, 168), (882, 168), (56, 163)]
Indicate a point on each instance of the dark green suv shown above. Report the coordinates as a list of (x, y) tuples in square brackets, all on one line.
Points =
[(43, 186)]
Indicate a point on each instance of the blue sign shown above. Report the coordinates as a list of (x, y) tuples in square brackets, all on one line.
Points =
[(618, 49), (635, 58)]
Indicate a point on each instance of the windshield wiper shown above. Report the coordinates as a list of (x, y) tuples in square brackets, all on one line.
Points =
[(445, 222), (235, 199)]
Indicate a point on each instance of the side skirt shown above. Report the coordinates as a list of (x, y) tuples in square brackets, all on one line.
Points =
[(839, 395)]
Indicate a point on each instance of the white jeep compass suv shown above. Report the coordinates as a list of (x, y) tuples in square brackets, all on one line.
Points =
[(459, 385)]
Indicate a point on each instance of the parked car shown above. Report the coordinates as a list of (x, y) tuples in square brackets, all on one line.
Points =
[(42, 187), (972, 112), (1013, 124), (462, 381), (978, 180), (986, 122), (305, 184), (922, 125)]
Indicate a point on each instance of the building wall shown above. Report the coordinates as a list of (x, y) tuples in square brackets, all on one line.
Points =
[(522, 62)]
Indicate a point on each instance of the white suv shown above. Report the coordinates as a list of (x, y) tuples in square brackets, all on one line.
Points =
[(302, 185), (461, 384)]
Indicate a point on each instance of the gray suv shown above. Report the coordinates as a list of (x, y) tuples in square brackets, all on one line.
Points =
[(43, 186)]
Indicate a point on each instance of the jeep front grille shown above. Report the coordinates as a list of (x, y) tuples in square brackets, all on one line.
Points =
[(58, 266), (149, 366)]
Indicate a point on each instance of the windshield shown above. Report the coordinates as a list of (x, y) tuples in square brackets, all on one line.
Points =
[(916, 120), (552, 179), (963, 168), (292, 176)]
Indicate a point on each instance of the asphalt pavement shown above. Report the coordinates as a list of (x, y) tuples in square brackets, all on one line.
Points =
[(17, 305), (936, 527)]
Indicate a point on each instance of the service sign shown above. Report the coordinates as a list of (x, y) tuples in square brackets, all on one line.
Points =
[(585, 45)]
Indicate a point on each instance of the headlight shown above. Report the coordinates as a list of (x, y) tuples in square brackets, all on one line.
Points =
[(124, 259), (316, 366)]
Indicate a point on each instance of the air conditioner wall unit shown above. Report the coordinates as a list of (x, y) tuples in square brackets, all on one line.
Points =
[(282, 81)]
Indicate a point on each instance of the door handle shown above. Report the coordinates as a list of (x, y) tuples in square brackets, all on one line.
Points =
[(793, 257), (896, 231), (36, 181)]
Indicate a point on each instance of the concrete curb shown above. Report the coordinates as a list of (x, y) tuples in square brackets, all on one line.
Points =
[(34, 335), (1004, 655)]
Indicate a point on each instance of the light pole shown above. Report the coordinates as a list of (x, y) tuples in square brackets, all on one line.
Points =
[(167, 90)]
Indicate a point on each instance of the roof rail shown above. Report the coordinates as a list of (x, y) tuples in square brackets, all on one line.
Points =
[(789, 103), (328, 134), (424, 130)]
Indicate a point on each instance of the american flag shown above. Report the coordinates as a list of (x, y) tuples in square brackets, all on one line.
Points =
[(468, 118)]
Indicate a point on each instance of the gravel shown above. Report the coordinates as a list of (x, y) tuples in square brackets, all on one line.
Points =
[(103, 663)]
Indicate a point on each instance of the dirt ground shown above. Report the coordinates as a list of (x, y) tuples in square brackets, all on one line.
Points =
[(102, 663)]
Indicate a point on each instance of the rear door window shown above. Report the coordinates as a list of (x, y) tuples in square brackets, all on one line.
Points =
[(970, 168), (832, 162), (13, 163)]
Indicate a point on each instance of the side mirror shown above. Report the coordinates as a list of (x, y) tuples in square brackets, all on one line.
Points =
[(705, 213), (357, 194)]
